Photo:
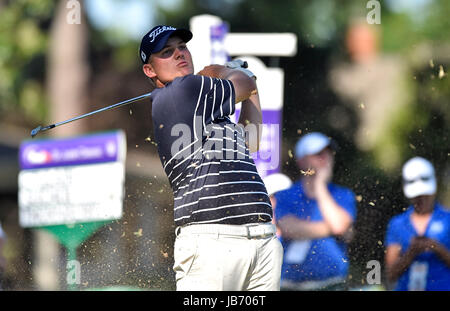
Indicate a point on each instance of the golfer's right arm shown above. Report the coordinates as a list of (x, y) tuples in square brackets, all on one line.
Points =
[(244, 86), (246, 92)]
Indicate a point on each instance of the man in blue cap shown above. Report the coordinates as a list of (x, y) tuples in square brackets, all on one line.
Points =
[(315, 217), (224, 237)]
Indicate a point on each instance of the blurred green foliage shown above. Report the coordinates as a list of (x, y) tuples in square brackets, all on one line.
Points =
[(403, 30), (23, 45)]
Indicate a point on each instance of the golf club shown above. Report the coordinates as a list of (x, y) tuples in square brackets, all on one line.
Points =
[(38, 129)]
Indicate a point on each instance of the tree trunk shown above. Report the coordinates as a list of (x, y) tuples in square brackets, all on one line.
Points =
[(67, 81), (68, 70)]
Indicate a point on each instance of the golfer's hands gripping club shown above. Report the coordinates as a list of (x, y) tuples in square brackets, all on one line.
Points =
[(241, 65)]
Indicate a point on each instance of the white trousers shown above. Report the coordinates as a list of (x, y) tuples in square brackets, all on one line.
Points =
[(227, 258)]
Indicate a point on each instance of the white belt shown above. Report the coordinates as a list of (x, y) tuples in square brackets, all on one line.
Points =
[(249, 231)]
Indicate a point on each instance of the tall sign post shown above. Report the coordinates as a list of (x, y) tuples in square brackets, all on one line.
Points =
[(214, 44), (71, 187)]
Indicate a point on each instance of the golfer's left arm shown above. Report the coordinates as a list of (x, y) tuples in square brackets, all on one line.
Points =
[(251, 118), (246, 92)]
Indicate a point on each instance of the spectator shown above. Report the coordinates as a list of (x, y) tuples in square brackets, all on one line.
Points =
[(418, 240), (315, 217), (274, 183)]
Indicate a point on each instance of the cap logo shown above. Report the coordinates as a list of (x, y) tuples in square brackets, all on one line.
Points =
[(158, 31), (144, 57)]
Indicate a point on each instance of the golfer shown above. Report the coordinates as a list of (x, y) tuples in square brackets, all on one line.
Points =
[(224, 236)]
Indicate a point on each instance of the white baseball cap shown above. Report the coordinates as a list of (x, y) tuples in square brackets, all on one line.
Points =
[(311, 143), (276, 182), (418, 178)]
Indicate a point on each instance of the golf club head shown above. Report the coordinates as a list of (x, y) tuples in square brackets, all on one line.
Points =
[(36, 131)]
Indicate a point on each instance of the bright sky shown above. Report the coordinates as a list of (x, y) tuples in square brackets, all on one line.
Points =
[(411, 6), (133, 17), (416, 9)]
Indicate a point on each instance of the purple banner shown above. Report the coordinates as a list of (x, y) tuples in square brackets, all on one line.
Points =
[(88, 149), (267, 159), (219, 54)]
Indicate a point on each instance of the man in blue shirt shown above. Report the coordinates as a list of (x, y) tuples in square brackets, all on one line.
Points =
[(418, 240), (315, 217)]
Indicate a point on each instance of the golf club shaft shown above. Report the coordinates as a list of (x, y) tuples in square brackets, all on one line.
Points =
[(123, 103), (39, 129)]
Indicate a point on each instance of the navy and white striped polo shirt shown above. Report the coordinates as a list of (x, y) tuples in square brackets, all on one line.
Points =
[(213, 177)]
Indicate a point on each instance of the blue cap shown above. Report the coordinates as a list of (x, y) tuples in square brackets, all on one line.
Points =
[(312, 143), (155, 40)]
